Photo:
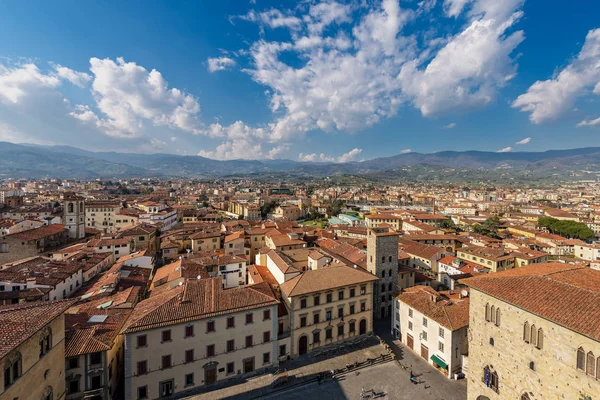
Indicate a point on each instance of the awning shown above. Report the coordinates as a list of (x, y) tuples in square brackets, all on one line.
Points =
[(439, 361)]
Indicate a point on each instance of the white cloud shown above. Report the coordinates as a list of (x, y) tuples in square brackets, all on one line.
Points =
[(586, 122), (173, 138), (272, 18), (467, 72), (405, 151), (220, 63), (344, 158), (386, 68), (352, 155), (450, 125), (276, 151), (235, 149), (79, 79), (322, 14), (524, 141), (548, 100), (19, 81), (128, 96), (308, 157), (505, 150)]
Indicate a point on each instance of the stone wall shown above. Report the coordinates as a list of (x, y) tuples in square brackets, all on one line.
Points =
[(554, 376)]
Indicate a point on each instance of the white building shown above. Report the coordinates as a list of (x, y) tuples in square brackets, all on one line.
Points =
[(433, 325)]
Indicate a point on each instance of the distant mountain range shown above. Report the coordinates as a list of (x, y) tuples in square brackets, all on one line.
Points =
[(36, 161)]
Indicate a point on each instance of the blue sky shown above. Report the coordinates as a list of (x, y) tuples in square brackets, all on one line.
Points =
[(314, 80)]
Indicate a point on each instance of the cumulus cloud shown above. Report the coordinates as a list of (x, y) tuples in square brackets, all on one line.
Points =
[(387, 68), (450, 125), (75, 77), (235, 149), (467, 72), (344, 158), (306, 73), (524, 141), (550, 99), (17, 82), (504, 150), (586, 122), (308, 157), (405, 151), (220, 63), (352, 155), (128, 96), (276, 151)]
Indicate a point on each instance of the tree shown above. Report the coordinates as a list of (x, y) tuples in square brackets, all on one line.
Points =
[(570, 229), (447, 224), (267, 208), (489, 227), (335, 208)]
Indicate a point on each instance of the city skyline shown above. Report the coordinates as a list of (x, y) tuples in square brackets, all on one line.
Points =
[(318, 81)]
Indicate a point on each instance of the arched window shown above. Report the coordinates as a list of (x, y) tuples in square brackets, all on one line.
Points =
[(70, 207), (598, 368), (497, 317), (12, 369), (590, 364), (533, 335), (45, 342), (493, 314), (526, 332), (390, 287), (382, 259), (490, 378), (80, 206), (540, 338), (487, 311), (525, 396), (383, 287), (390, 259), (581, 359)]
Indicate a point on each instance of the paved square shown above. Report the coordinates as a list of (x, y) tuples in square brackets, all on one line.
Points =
[(388, 378)]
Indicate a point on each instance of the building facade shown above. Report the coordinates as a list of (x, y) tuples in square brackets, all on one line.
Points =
[(178, 341), (382, 261), (532, 336)]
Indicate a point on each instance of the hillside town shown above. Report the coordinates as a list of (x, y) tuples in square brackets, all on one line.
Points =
[(231, 288)]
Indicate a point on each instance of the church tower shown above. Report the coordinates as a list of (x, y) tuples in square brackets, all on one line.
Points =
[(382, 261), (74, 215)]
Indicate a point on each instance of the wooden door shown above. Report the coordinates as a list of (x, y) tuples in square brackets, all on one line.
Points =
[(210, 375), (303, 345), (362, 326), (248, 365), (424, 352), (409, 341)]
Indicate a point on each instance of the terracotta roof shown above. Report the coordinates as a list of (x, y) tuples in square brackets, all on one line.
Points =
[(565, 294), (325, 278), (39, 233), (84, 337), (197, 299), (419, 249), (19, 322), (445, 308)]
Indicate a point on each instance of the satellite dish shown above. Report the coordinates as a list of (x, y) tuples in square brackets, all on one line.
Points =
[(464, 293)]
